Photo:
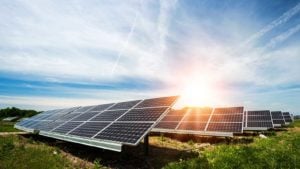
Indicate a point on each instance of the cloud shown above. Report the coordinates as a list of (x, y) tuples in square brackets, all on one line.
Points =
[(279, 21), (126, 42), (282, 37), (156, 43)]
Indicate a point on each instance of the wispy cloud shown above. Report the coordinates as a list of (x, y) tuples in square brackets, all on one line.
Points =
[(279, 21), (283, 37), (85, 45), (126, 42)]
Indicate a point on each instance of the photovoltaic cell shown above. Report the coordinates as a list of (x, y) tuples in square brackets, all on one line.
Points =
[(192, 126), (68, 117), (229, 110), (167, 125), (225, 127), (259, 113), (110, 115), (259, 118), (172, 118), (50, 125), (85, 116), (89, 129), (65, 128), (82, 109), (101, 107), (176, 113), (157, 102), (124, 132), (125, 105), (196, 118), (278, 121), (227, 118), (146, 114)]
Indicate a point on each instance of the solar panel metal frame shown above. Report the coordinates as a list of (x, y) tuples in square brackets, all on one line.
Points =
[(246, 128), (100, 143)]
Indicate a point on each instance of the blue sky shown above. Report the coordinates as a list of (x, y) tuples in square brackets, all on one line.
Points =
[(69, 53)]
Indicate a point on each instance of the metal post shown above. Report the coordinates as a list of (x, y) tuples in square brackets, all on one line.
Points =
[(146, 145)]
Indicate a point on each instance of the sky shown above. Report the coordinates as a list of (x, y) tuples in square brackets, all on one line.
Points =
[(57, 54)]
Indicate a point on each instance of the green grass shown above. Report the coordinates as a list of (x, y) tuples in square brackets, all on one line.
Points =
[(281, 151), (277, 151), (7, 127), (19, 153)]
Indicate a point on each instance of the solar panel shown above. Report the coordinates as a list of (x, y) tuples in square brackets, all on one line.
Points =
[(287, 117), (204, 121), (228, 120), (277, 118), (107, 126), (258, 120)]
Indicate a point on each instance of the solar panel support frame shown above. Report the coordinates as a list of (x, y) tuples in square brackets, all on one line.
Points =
[(108, 145), (23, 128), (204, 133)]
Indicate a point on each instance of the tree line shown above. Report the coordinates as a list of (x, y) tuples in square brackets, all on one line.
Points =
[(13, 111)]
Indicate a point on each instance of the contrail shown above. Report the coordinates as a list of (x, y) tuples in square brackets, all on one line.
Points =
[(282, 19), (246, 45), (282, 37), (126, 43)]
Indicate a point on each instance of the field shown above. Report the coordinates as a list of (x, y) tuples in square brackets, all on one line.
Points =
[(7, 127), (277, 151)]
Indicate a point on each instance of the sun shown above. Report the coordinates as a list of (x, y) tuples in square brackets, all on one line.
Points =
[(197, 92)]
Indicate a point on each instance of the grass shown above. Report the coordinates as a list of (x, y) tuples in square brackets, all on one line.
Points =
[(7, 127), (22, 153), (280, 151)]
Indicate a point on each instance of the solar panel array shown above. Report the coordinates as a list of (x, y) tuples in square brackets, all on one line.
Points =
[(258, 120), (124, 122), (277, 118), (112, 125), (218, 121), (287, 117)]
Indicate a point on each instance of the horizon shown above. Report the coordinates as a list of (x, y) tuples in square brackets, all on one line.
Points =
[(232, 53)]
